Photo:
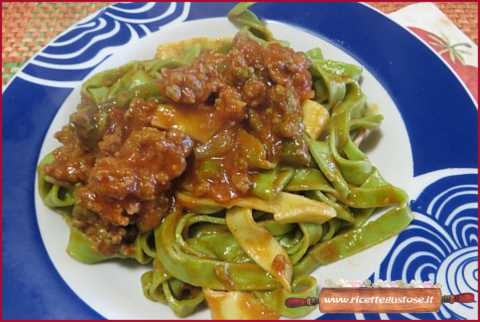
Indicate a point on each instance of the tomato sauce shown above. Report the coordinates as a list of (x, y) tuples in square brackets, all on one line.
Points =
[(226, 117)]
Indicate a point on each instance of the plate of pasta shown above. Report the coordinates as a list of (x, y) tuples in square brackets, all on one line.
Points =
[(177, 160)]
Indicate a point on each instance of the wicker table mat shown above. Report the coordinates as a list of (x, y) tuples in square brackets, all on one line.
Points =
[(27, 27)]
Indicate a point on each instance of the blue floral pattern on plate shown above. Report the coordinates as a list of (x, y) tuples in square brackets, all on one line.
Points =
[(440, 245)]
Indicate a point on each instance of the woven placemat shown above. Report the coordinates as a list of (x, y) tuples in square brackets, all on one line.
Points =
[(462, 14), (27, 27)]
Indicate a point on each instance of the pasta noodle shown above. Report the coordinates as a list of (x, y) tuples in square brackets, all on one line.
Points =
[(235, 248)]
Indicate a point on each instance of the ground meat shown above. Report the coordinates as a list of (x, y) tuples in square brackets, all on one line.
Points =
[(111, 142), (125, 178), (143, 168), (146, 163), (250, 51), (122, 122), (290, 69), (230, 104), (72, 163), (288, 123), (151, 212), (247, 69), (195, 83), (88, 124), (254, 92), (258, 88), (106, 237)]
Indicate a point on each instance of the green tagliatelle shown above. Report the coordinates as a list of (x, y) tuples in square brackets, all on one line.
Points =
[(247, 21), (53, 194), (303, 212), (181, 297), (118, 86)]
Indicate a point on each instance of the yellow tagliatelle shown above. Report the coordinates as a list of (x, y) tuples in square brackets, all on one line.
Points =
[(237, 306), (315, 118), (260, 245), (285, 207)]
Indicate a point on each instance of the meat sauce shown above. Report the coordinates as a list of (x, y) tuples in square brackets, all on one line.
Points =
[(125, 180), (255, 93), (237, 109)]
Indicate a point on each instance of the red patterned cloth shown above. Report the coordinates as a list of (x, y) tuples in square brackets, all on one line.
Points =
[(435, 29)]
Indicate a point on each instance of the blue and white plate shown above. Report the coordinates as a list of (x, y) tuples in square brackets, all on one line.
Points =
[(428, 147)]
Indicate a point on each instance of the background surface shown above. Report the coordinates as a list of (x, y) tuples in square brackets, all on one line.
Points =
[(27, 27)]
